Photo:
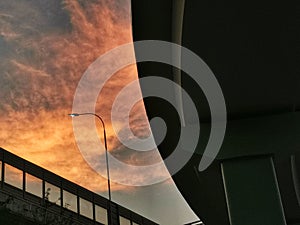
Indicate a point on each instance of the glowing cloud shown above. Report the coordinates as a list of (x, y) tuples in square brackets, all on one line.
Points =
[(45, 47)]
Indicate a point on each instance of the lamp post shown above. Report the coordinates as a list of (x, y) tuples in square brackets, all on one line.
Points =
[(105, 144)]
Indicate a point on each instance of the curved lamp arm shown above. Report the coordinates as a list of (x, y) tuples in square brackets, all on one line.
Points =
[(105, 145)]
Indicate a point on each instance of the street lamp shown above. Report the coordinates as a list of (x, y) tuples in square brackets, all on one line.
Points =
[(105, 144)]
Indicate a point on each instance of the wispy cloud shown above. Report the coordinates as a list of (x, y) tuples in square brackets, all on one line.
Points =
[(45, 47)]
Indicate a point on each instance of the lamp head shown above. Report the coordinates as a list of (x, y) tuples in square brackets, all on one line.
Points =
[(74, 114)]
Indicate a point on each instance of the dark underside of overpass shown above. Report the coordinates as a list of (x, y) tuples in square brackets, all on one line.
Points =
[(253, 51)]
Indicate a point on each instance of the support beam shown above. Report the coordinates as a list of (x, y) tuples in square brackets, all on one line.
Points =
[(252, 192)]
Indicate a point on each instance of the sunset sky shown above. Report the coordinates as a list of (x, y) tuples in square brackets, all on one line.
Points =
[(45, 48)]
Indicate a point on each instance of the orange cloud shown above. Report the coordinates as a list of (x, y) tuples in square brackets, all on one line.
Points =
[(44, 52)]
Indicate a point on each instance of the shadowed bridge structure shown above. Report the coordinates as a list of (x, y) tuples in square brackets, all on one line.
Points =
[(253, 50)]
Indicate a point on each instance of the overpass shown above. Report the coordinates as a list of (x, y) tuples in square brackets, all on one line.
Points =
[(253, 51)]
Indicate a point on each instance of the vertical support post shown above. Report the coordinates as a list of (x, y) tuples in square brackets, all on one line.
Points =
[(78, 204), (2, 174), (94, 210), (252, 192), (113, 214), (61, 197), (43, 191)]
